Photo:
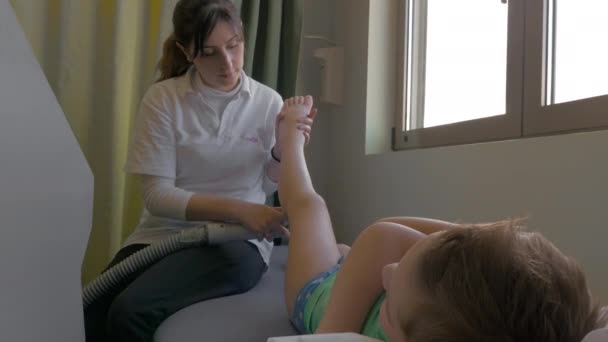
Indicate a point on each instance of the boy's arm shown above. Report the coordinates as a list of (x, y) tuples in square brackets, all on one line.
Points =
[(429, 226), (424, 225)]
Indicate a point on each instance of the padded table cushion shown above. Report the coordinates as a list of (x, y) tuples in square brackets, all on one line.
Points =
[(341, 337), (252, 316)]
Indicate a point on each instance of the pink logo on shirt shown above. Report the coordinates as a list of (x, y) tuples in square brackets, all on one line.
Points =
[(251, 139)]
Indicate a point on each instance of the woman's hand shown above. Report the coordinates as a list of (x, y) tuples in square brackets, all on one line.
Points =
[(264, 221), (306, 124)]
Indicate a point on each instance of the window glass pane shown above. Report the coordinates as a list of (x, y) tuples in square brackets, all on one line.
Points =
[(466, 60), (581, 49)]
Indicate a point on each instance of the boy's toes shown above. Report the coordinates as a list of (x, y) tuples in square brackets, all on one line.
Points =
[(307, 100)]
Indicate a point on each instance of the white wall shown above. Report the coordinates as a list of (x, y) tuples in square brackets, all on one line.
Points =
[(46, 197), (560, 182)]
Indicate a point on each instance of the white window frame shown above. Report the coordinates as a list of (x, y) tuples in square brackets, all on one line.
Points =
[(526, 115), (580, 115)]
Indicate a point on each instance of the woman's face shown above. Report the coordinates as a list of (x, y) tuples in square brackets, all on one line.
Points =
[(220, 60)]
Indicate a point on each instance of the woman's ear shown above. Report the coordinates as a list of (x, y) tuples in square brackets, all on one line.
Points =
[(184, 51)]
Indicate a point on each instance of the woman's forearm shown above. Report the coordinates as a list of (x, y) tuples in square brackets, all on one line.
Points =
[(162, 198), (210, 208)]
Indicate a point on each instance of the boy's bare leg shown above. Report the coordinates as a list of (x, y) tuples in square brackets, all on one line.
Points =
[(312, 244), (359, 280)]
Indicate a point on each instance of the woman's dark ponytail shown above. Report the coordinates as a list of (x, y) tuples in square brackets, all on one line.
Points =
[(173, 63)]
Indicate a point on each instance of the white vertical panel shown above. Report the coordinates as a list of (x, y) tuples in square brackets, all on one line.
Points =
[(45, 202)]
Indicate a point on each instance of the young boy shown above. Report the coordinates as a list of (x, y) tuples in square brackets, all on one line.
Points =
[(416, 279)]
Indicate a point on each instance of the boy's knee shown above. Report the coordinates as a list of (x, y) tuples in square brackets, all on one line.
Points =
[(378, 229), (308, 200), (389, 234)]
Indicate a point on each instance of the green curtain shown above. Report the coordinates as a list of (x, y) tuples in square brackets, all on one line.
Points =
[(99, 57), (272, 41), (272, 45)]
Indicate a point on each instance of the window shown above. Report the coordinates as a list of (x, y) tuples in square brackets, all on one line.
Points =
[(577, 54), (482, 70)]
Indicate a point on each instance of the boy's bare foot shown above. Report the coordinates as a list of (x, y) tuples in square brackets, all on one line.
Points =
[(297, 106)]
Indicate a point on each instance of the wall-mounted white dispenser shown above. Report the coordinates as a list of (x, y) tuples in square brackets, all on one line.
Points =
[(332, 73)]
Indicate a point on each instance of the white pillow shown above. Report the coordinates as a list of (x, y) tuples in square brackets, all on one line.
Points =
[(344, 337), (599, 335)]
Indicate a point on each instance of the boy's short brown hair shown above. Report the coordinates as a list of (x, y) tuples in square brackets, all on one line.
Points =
[(497, 283)]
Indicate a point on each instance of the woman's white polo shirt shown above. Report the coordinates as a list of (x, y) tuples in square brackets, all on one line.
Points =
[(177, 134)]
